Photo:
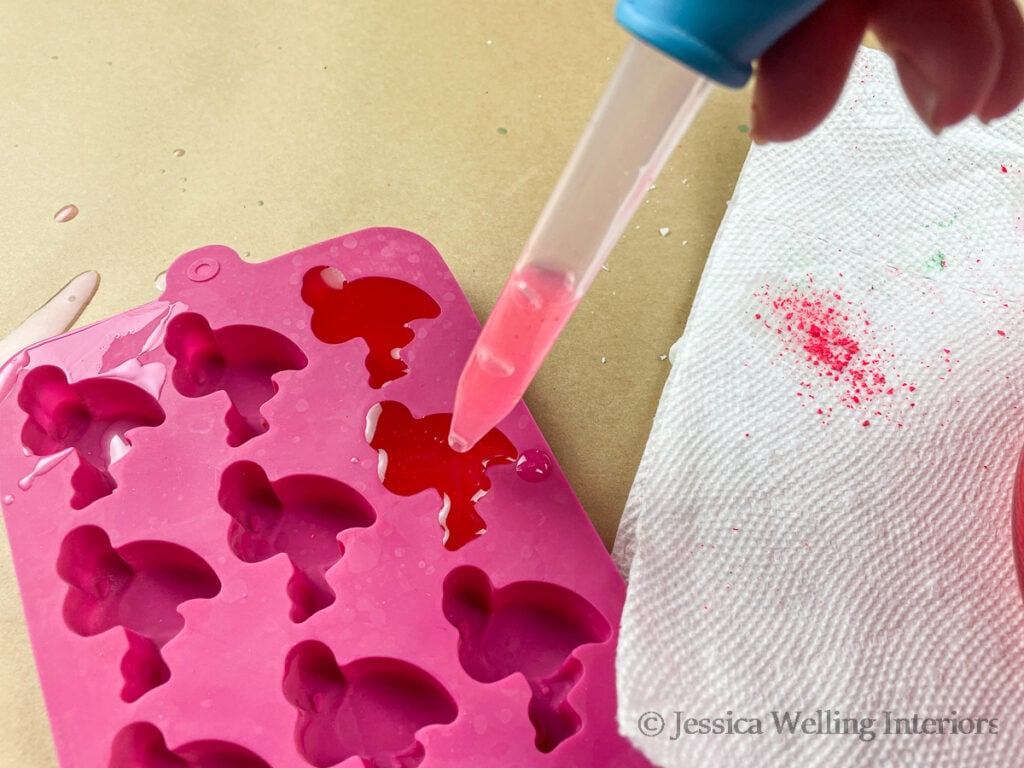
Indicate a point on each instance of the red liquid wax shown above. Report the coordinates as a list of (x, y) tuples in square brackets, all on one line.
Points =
[(531, 311), (376, 309), (418, 457)]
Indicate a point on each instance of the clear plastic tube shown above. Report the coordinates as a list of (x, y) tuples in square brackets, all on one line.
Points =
[(648, 105)]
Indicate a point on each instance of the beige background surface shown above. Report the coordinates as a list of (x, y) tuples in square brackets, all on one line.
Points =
[(303, 121)]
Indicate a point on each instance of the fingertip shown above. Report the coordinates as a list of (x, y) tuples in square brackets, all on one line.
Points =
[(947, 54), (800, 78), (1008, 90)]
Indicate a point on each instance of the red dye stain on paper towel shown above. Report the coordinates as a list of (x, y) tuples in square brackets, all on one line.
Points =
[(834, 345)]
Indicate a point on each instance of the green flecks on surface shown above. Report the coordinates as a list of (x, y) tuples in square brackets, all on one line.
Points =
[(259, 202), (503, 131), (944, 224), (936, 263), (744, 128)]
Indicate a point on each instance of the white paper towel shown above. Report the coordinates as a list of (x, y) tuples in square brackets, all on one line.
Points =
[(821, 520)]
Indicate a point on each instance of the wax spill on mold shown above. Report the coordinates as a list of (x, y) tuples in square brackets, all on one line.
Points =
[(43, 465), (833, 344), (81, 417), (419, 457)]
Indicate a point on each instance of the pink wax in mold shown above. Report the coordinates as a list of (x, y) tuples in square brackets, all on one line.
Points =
[(531, 311)]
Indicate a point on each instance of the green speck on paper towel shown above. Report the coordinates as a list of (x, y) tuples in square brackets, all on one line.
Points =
[(503, 131), (944, 224), (936, 262), (259, 202), (743, 127)]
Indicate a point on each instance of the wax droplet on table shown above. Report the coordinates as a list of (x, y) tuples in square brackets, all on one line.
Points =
[(8, 500), (533, 465), (67, 213), (179, 153)]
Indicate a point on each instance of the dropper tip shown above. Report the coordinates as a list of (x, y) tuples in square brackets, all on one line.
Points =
[(458, 443)]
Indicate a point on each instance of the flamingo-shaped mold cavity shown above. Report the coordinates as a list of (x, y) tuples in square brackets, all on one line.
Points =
[(370, 708), (414, 455), (526, 627), (376, 309), (240, 360), (137, 586), (299, 516), (86, 418), (142, 745)]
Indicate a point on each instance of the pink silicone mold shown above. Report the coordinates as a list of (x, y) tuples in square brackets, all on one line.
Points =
[(242, 539)]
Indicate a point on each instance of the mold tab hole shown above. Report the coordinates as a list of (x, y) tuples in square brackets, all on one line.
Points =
[(142, 745), (86, 417), (375, 309), (416, 456), (137, 586), (529, 627), (300, 516), (370, 708), (241, 360)]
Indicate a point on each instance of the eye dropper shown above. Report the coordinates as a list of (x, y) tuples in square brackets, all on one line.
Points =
[(654, 94)]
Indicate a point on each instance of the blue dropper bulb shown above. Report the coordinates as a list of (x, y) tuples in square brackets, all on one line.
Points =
[(718, 38)]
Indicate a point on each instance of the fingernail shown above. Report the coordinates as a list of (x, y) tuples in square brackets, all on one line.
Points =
[(923, 96)]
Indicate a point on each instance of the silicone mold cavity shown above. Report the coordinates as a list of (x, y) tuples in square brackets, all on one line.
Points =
[(375, 309), (240, 360), (138, 587), (415, 455), (527, 627), (299, 516), (370, 708), (82, 417), (142, 745)]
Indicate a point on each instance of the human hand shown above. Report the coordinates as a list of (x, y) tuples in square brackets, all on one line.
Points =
[(955, 58), (54, 317)]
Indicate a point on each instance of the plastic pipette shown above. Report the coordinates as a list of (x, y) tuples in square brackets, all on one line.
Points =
[(648, 105)]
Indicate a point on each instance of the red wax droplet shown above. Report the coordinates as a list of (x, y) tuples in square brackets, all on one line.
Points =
[(375, 309), (533, 465), (419, 457)]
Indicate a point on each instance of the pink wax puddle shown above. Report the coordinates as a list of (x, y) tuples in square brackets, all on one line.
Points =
[(531, 311)]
